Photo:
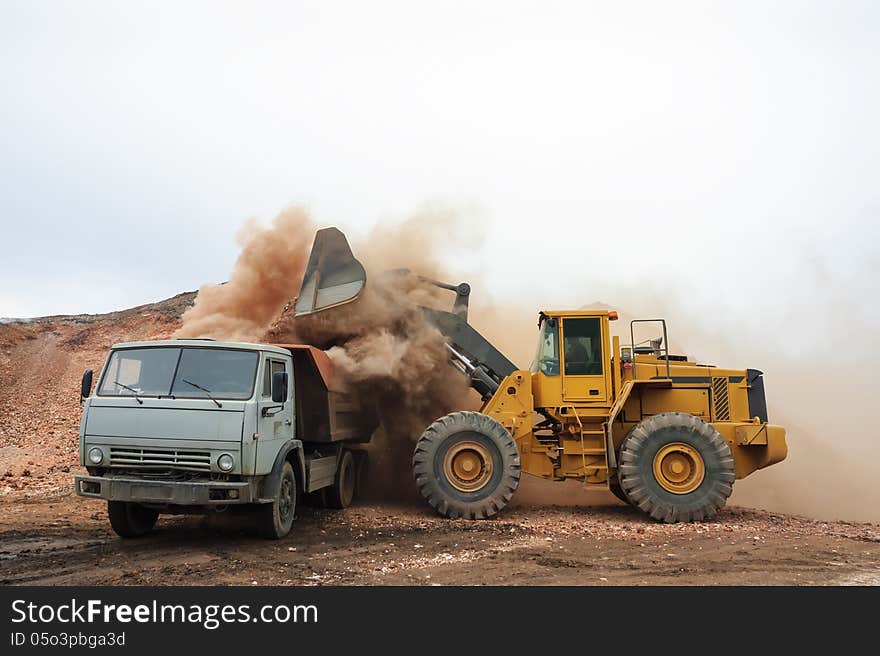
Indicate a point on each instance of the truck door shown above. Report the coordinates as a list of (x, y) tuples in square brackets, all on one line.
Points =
[(275, 420), (585, 376)]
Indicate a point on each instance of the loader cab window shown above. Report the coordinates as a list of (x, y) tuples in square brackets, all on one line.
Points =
[(583, 346), (547, 356)]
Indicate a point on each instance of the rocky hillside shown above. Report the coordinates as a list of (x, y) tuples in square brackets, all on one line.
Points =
[(41, 364)]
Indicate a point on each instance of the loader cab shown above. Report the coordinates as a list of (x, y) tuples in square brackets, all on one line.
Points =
[(572, 361)]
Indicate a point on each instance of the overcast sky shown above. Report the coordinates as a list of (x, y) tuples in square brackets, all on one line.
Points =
[(722, 151)]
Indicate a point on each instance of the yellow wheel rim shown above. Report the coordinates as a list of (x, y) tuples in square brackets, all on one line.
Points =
[(679, 468), (468, 466)]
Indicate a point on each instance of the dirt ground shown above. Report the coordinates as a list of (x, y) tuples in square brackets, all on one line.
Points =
[(50, 537), (67, 541)]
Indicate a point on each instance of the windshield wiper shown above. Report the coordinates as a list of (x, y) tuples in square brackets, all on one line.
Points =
[(133, 390), (205, 390)]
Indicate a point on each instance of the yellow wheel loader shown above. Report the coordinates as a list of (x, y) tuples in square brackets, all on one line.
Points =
[(658, 430)]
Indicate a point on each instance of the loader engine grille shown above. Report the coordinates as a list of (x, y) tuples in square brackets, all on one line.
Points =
[(721, 399), (189, 459)]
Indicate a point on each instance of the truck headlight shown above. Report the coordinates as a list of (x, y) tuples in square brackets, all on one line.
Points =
[(225, 462), (96, 456)]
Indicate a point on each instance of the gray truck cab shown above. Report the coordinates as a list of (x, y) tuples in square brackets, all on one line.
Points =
[(198, 425)]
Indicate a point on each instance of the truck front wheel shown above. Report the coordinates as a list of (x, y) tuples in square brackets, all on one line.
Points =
[(131, 520), (275, 519)]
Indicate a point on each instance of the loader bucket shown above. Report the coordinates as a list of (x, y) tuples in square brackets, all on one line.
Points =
[(333, 275)]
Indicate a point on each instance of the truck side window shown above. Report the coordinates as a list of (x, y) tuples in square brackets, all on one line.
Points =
[(271, 367), (267, 379), (278, 367), (582, 346)]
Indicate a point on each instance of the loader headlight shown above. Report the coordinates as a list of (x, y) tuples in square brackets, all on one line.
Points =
[(96, 456), (225, 462)]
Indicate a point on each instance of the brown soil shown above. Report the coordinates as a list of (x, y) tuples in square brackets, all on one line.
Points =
[(48, 536), (41, 366), (68, 541)]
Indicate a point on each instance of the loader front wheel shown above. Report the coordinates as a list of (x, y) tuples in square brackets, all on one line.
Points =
[(676, 467), (467, 465)]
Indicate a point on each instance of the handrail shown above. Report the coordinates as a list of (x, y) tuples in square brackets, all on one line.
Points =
[(632, 339)]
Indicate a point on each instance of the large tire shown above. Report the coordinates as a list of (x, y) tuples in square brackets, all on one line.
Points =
[(676, 467), (341, 493), (617, 491), (131, 520), (467, 465), (275, 519)]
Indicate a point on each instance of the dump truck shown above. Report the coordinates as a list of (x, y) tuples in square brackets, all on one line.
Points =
[(201, 426), (660, 431)]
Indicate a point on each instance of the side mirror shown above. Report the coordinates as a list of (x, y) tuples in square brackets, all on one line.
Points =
[(279, 387), (86, 387)]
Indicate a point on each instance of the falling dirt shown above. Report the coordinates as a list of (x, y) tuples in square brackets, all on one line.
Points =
[(384, 349), (266, 274)]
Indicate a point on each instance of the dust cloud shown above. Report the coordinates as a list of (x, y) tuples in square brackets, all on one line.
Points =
[(392, 357), (267, 273), (818, 380), (384, 349), (387, 352)]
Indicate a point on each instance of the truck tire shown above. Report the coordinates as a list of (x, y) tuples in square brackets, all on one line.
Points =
[(275, 519), (467, 465), (131, 520), (341, 493), (676, 467), (362, 465)]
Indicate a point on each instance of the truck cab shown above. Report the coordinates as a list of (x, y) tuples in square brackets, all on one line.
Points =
[(197, 425)]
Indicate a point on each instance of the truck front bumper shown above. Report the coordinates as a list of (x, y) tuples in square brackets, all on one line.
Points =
[(180, 493)]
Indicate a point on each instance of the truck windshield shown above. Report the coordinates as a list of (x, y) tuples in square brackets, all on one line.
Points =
[(161, 371), (547, 356)]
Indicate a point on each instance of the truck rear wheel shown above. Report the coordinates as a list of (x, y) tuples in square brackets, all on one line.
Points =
[(341, 493), (275, 519), (131, 520), (676, 467), (467, 465)]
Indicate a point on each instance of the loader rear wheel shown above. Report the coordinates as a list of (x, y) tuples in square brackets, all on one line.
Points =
[(467, 465), (131, 520), (617, 491), (676, 467)]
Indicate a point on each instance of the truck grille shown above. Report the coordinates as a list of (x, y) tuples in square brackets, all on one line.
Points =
[(721, 398), (190, 459)]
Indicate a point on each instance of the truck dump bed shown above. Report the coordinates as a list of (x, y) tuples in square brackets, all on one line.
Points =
[(325, 411)]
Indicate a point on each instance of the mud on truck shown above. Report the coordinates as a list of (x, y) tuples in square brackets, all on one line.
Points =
[(198, 426)]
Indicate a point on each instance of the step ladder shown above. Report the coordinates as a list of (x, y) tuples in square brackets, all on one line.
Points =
[(592, 443)]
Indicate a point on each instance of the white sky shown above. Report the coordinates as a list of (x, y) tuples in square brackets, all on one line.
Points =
[(723, 154)]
